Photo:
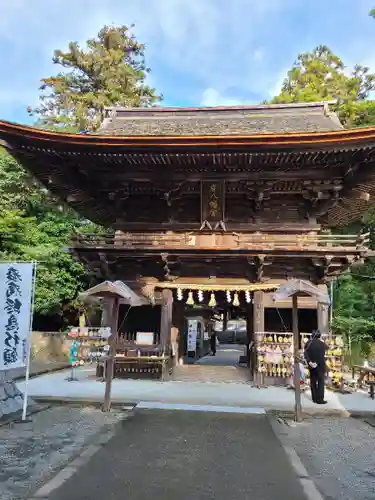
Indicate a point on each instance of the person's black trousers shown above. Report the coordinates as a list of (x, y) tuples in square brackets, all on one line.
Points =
[(317, 380), (213, 345)]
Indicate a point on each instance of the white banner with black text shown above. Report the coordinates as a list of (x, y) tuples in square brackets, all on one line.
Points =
[(16, 297)]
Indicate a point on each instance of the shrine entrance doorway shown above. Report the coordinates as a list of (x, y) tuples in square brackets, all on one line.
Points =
[(239, 316)]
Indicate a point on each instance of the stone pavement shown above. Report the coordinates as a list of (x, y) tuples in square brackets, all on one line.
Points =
[(31, 452), (87, 388), (220, 368), (226, 355), (187, 455), (211, 373)]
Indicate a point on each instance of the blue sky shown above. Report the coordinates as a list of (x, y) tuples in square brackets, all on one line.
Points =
[(201, 52)]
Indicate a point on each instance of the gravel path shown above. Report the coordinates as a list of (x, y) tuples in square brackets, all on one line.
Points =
[(339, 456), (30, 453)]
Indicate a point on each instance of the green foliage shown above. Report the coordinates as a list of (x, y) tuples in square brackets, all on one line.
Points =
[(33, 227), (354, 311), (320, 76), (109, 71)]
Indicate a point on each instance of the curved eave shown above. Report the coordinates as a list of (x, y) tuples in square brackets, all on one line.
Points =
[(341, 139)]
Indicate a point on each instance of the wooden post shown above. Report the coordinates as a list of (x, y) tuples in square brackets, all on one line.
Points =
[(250, 337), (166, 319), (106, 312), (225, 319), (258, 319), (323, 318), (178, 321), (114, 304), (297, 372)]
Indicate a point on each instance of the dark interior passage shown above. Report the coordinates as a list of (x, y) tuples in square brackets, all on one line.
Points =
[(139, 319), (280, 320)]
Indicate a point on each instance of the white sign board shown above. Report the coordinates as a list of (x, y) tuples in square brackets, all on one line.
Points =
[(105, 332), (205, 333), (16, 289), (192, 335), (145, 338)]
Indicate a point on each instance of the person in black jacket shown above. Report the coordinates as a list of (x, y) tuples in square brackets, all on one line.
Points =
[(315, 357)]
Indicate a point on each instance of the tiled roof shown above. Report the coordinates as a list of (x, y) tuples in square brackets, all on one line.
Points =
[(237, 120)]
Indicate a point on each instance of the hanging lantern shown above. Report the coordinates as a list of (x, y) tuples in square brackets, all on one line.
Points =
[(229, 298), (212, 302), (247, 296), (190, 300), (180, 295), (236, 300), (200, 296)]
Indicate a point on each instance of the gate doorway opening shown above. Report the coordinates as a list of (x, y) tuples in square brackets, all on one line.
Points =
[(234, 319)]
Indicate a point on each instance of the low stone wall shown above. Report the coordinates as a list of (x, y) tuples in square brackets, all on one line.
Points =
[(48, 350), (49, 347)]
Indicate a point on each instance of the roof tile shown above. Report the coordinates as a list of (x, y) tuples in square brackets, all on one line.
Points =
[(239, 120)]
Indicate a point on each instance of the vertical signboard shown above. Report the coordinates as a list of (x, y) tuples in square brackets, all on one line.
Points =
[(192, 335), (16, 295), (212, 202)]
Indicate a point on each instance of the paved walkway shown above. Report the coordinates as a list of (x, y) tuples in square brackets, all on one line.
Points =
[(220, 368), (186, 455), (208, 393), (226, 355), (208, 373)]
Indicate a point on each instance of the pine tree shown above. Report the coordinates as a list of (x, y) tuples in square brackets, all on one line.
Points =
[(321, 75), (110, 71)]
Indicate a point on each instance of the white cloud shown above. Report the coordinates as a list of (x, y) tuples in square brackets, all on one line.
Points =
[(198, 50), (212, 97), (258, 54), (207, 40)]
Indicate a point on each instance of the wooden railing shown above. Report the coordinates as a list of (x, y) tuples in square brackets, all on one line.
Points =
[(227, 241)]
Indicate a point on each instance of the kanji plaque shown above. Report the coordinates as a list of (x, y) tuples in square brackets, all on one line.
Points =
[(212, 200)]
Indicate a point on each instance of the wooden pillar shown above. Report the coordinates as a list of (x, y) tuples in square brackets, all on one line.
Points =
[(258, 322), (250, 337), (297, 374), (258, 318), (106, 312), (113, 306), (225, 319), (166, 319), (323, 318), (178, 321)]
